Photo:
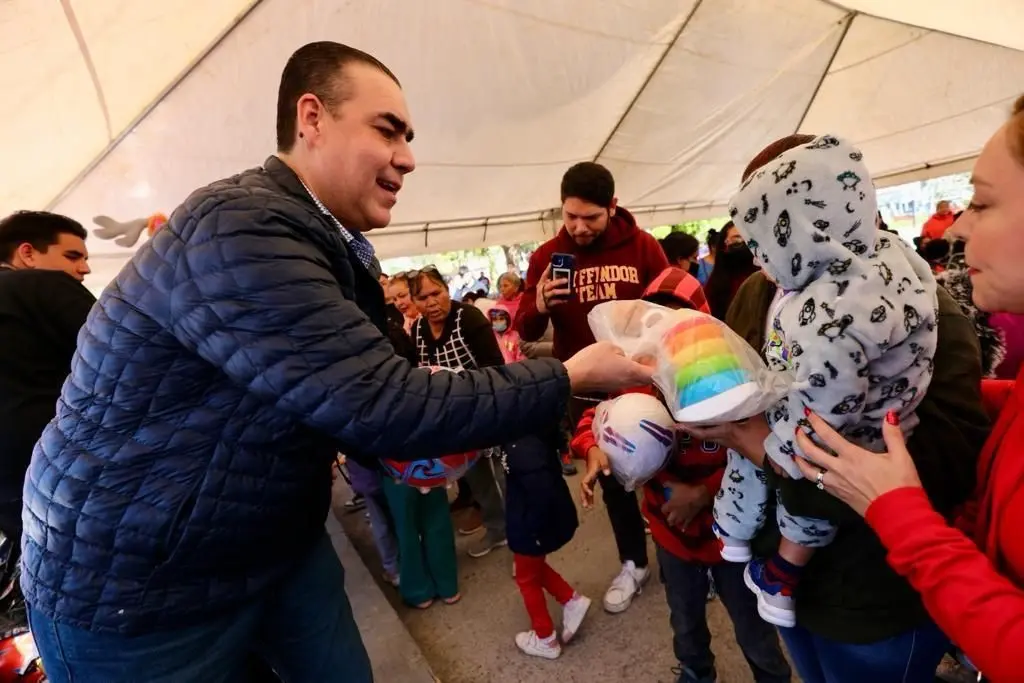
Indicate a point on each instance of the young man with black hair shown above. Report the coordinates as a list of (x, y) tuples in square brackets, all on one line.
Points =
[(682, 251), (614, 259), (174, 509), (43, 304)]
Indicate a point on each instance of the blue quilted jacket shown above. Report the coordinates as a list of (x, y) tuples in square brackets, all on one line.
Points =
[(188, 466)]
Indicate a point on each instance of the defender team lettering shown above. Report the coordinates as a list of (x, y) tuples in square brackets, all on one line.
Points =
[(597, 283)]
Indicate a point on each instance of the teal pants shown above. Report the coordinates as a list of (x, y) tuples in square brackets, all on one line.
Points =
[(426, 542)]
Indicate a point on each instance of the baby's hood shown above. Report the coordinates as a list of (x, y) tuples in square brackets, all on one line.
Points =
[(810, 214)]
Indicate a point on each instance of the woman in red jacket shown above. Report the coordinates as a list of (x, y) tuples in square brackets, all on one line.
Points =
[(970, 577)]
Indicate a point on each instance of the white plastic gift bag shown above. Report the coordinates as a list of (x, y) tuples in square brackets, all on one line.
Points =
[(707, 373)]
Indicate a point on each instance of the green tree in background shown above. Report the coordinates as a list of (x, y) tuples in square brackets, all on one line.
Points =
[(698, 229)]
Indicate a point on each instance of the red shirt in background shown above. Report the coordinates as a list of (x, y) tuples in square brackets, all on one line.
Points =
[(935, 227)]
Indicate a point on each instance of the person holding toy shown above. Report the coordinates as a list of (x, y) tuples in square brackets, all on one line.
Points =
[(854, 320), (677, 504)]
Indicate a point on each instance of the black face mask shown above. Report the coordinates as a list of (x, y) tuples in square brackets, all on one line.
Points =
[(694, 269), (736, 256)]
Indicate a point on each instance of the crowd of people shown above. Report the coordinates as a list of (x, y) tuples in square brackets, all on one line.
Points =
[(171, 509)]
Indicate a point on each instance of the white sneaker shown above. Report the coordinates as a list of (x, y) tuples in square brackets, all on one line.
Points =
[(732, 549), (573, 614), (548, 648), (628, 583)]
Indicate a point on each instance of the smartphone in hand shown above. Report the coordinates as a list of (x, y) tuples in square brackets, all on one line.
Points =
[(563, 267)]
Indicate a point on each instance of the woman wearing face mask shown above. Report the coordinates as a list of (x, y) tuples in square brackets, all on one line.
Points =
[(505, 333), (734, 263)]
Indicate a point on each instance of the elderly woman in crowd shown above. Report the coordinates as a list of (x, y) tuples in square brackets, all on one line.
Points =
[(458, 336)]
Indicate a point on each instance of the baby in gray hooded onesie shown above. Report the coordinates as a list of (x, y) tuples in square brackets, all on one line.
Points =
[(854, 321)]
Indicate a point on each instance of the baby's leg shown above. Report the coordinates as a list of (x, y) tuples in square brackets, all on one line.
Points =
[(776, 579), (806, 532), (740, 507), (795, 553)]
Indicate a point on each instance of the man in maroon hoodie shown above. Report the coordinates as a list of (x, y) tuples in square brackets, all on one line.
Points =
[(614, 260)]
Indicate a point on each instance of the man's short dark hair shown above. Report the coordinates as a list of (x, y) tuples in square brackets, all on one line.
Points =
[(679, 245), (590, 182), (315, 68), (41, 229)]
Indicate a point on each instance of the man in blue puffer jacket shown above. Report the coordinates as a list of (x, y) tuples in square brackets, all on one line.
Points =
[(174, 508)]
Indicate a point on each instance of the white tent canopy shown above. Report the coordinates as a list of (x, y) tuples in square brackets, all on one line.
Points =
[(122, 108)]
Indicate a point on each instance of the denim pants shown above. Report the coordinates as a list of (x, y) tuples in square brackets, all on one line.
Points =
[(368, 483), (382, 526), (686, 589), (910, 657), (303, 628)]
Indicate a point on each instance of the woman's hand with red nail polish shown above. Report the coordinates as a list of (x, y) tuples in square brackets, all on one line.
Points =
[(854, 475)]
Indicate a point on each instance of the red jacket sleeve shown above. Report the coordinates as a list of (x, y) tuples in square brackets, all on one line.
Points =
[(995, 393), (979, 609), (530, 322), (583, 440)]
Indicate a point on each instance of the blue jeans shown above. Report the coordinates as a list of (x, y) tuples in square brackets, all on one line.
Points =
[(910, 657), (382, 526), (686, 589), (303, 628)]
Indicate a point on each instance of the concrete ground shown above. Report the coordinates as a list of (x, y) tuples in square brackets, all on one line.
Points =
[(395, 655), (472, 642)]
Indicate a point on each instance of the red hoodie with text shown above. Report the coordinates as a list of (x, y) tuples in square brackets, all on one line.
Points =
[(695, 462), (617, 265)]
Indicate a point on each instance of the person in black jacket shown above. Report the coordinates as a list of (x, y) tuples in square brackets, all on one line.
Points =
[(174, 509), (43, 304), (541, 518)]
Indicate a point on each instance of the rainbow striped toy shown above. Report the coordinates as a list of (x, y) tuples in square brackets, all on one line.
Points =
[(707, 376)]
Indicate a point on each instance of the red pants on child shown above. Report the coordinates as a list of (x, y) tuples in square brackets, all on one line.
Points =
[(534, 576)]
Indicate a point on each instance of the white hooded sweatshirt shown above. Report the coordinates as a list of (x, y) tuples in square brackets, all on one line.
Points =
[(856, 317)]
